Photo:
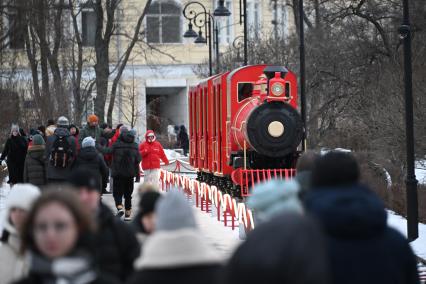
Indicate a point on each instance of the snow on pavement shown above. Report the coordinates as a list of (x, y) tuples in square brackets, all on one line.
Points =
[(223, 239), (400, 223)]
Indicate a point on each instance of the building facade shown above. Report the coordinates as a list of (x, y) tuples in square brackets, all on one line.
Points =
[(153, 88)]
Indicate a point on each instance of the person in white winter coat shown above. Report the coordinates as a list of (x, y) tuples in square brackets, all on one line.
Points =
[(12, 264)]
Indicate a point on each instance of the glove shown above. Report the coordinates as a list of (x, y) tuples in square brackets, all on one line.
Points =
[(3, 163)]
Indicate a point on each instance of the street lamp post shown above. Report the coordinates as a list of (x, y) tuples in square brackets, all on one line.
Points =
[(199, 21), (220, 11), (411, 182), (302, 72), (237, 44), (243, 14)]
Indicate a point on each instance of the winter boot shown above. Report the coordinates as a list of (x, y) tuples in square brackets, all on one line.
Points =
[(127, 215), (120, 211)]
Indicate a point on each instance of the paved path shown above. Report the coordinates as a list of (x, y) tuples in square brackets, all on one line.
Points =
[(222, 238)]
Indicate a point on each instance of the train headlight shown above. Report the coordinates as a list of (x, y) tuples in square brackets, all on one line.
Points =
[(277, 89)]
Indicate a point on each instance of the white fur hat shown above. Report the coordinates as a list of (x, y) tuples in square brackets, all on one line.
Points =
[(21, 196), (14, 127)]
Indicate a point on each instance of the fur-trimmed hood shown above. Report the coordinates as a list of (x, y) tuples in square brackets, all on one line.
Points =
[(176, 249)]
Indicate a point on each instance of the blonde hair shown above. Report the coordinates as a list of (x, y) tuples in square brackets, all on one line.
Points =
[(147, 186)]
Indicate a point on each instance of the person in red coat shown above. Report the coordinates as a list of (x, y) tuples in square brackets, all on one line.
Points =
[(152, 152)]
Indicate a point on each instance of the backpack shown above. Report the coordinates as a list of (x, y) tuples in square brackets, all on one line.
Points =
[(61, 152)]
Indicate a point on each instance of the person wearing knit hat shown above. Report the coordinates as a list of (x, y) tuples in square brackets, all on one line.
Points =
[(116, 244), (176, 252), (38, 140), (15, 151), (88, 142), (89, 159), (63, 122), (35, 171), (273, 197), (144, 222), (91, 129), (60, 152), (20, 199)]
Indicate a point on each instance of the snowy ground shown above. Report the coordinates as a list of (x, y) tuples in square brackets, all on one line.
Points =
[(421, 171), (222, 238), (400, 223)]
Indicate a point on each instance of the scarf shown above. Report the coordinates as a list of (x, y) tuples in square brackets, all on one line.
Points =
[(75, 269)]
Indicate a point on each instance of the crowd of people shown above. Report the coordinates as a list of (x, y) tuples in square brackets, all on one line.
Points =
[(324, 226), (50, 154)]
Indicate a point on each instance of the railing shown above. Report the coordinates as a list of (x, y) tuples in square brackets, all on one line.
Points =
[(248, 178)]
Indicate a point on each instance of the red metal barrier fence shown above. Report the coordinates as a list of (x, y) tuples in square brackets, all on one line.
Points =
[(247, 178), (228, 209)]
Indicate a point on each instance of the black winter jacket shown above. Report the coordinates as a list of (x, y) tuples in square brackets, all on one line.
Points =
[(206, 274), (35, 171), (116, 246), (125, 157), (361, 247), (289, 248), (15, 150), (90, 159)]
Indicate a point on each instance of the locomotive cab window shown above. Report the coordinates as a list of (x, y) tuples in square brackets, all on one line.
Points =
[(245, 91)]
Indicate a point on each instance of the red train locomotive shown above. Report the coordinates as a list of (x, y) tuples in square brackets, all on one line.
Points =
[(243, 120)]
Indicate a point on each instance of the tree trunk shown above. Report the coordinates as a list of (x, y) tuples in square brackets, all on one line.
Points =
[(123, 63)]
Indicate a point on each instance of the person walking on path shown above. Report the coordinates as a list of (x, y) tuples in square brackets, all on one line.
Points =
[(60, 152), (362, 248), (152, 152), (91, 129), (15, 150), (176, 252), (13, 265), (183, 140), (90, 159), (75, 132), (57, 238), (116, 246), (124, 169), (35, 169)]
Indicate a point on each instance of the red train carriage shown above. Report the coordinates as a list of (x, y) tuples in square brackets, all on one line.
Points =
[(244, 124)]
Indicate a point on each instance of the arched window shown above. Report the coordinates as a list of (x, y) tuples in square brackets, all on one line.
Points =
[(163, 22)]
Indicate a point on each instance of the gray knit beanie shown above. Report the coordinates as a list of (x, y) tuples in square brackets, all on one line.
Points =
[(174, 213), (63, 122), (88, 142)]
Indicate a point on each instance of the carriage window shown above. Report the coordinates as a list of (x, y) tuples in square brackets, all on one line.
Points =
[(244, 91), (287, 89)]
